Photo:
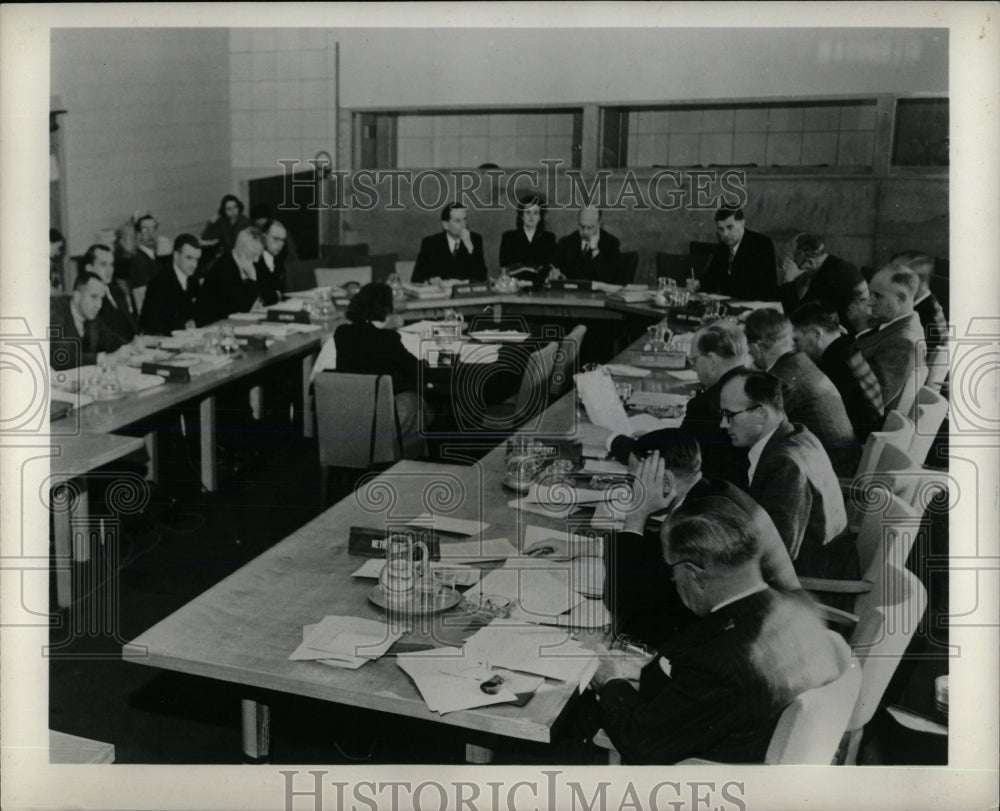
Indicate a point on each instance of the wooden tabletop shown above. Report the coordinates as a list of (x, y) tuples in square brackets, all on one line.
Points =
[(80, 454)]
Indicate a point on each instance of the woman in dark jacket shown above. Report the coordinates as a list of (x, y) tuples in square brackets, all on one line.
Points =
[(223, 229), (529, 245), (370, 345)]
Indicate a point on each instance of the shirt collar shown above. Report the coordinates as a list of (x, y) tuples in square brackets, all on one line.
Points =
[(148, 251), (921, 298), (756, 450), (268, 260), (894, 320), (740, 596), (181, 278)]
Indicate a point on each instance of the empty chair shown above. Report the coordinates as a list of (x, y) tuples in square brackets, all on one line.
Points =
[(532, 396), (338, 277), (628, 264), (404, 269), (928, 413), (674, 266), (344, 256), (356, 423), (564, 365)]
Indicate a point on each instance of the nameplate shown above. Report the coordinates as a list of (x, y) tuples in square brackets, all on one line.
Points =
[(559, 449), (580, 285), (371, 543), (465, 290), (660, 360), (172, 374), (286, 317)]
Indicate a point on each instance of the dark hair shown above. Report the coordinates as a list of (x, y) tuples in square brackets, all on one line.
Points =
[(446, 211), (527, 201), (725, 213), (138, 222), (761, 388), (186, 239), (767, 325), (710, 531), (84, 277), (902, 276), (921, 264), (227, 199), (373, 302), (91, 254), (816, 314), (55, 235), (268, 223), (721, 338), (680, 453), (809, 245)]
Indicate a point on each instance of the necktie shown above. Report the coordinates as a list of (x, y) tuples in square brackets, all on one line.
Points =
[(729, 267), (588, 252), (454, 250)]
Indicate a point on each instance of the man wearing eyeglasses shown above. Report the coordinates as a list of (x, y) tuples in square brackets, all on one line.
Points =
[(789, 475)]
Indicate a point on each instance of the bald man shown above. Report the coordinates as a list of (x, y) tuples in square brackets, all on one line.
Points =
[(591, 253)]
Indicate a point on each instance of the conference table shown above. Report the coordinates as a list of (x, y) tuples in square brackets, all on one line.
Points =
[(243, 630)]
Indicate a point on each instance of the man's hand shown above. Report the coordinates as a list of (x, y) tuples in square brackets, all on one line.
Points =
[(617, 665), (647, 493), (555, 274), (466, 237)]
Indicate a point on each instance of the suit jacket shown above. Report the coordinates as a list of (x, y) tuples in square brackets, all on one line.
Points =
[(865, 414), (896, 356), (122, 317), (753, 275), (811, 399), (435, 259), (833, 282), (516, 251), (732, 673), (141, 269), (226, 291), (935, 325), (365, 349), (702, 421), (605, 267), (272, 281), (795, 484), (638, 589), (74, 349), (167, 306)]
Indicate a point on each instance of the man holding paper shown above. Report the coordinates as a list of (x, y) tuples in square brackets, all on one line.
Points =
[(717, 689)]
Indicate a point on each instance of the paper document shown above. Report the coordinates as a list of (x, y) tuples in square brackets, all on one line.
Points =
[(345, 641), (588, 614), (476, 551), (292, 305), (644, 423), (548, 652), (657, 399), (454, 526), (479, 353), (537, 587), (607, 466), (626, 370), (600, 399), (547, 510)]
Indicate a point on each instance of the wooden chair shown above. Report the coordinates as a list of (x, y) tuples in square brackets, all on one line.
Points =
[(928, 413), (888, 616), (565, 362), (356, 423), (897, 432), (532, 396), (810, 729), (338, 277)]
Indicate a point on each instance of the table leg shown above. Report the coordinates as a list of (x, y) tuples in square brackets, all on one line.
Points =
[(307, 403), (61, 541), (209, 469), (81, 511), (256, 722), (153, 449), (478, 754)]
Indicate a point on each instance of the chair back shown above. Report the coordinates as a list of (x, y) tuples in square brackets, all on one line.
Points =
[(356, 420), (404, 269), (564, 364), (300, 274), (383, 265), (928, 413), (896, 431), (344, 256), (886, 535), (888, 617), (674, 266), (810, 728), (628, 264), (338, 277), (904, 401), (532, 396)]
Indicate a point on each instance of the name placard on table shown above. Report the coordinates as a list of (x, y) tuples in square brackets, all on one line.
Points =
[(582, 285), (289, 316), (473, 289)]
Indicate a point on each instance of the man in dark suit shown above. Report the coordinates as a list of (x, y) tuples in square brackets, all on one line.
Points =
[(172, 294), (232, 284), (456, 253), (145, 263), (271, 264), (118, 312), (894, 346), (716, 350), (790, 475), (931, 314), (817, 332), (85, 339), (591, 253), (743, 265), (809, 396), (716, 689), (813, 274)]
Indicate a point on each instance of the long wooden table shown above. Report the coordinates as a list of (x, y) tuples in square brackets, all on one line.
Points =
[(243, 629)]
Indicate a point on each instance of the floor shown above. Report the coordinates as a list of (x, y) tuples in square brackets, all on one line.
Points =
[(188, 540)]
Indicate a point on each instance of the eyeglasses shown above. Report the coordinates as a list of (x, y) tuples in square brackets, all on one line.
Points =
[(728, 415)]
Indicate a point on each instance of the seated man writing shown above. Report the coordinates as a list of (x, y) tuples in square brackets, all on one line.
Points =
[(86, 339), (717, 689)]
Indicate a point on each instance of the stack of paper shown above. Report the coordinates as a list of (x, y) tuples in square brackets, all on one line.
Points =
[(426, 291), (346, 642), (610, 467), (476, 550), (449, 679), (600, 399), (453, 526), (536, 587), (626, 370), (292, 305), (268, 330), (247, 316), (543, 651), (479, 353)]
